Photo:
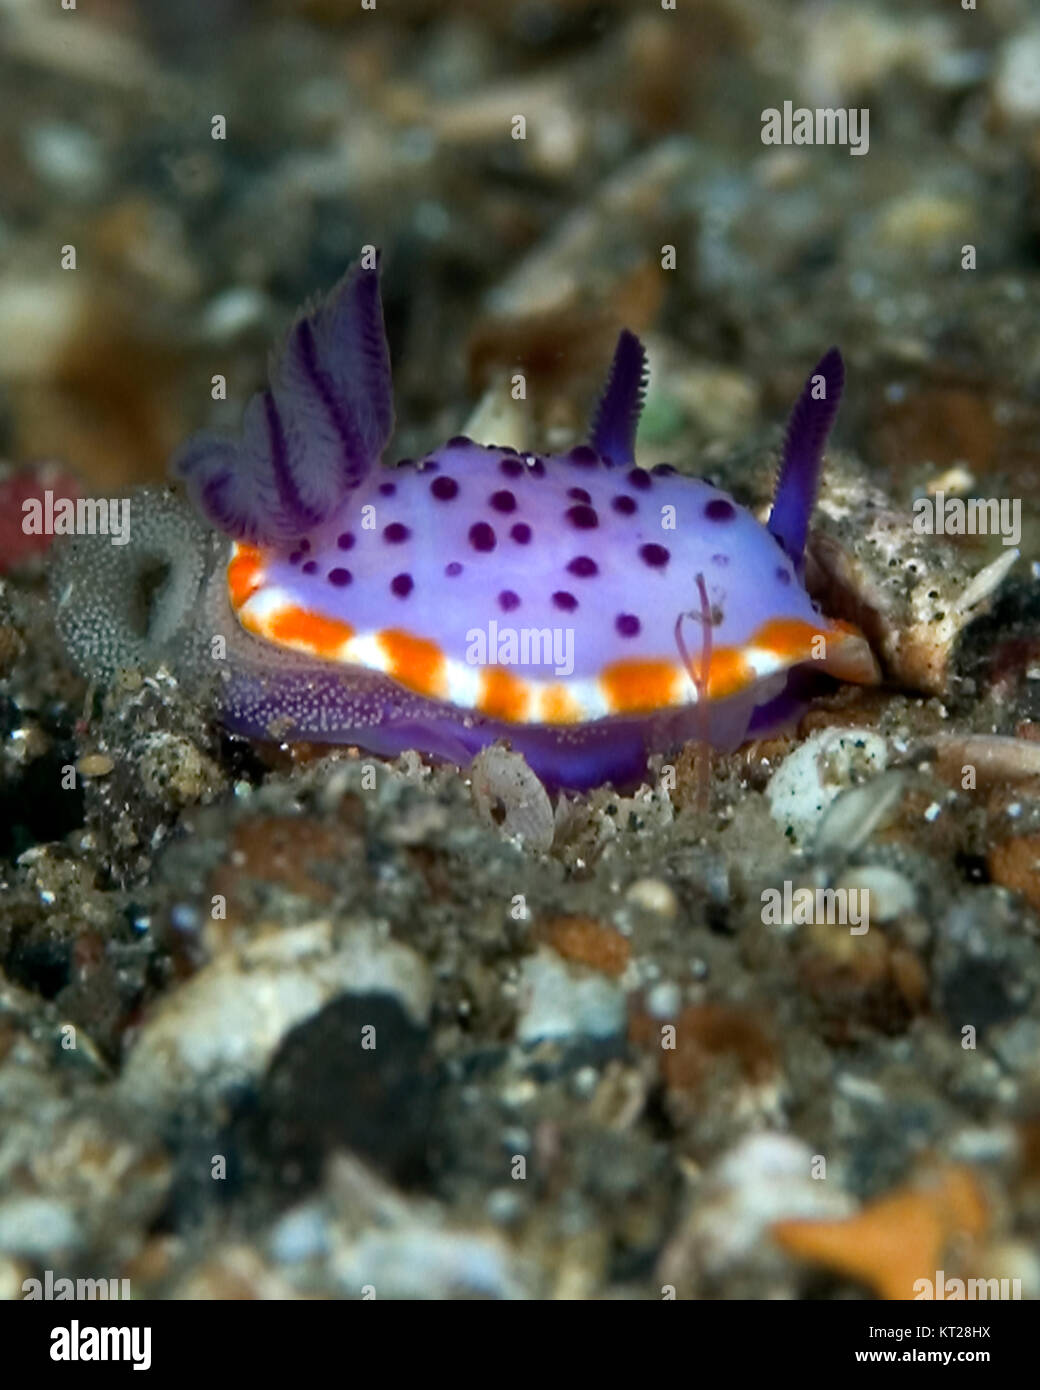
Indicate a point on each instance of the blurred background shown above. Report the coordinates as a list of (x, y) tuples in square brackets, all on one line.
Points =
[(393, 126), (345, 126)]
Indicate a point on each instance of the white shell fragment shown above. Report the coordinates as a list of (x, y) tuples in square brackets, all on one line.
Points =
[(911, 594), (817, 772), (508, 794)]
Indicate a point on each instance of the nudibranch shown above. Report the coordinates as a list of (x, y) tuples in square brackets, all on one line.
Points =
[(583, 609)]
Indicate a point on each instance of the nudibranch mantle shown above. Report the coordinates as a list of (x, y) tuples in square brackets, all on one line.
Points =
[(581, 608), (534, 590)]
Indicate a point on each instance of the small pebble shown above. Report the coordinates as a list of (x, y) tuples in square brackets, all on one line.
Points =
[(889, 893), (561, 1003), (95, 765), (813, 776), (653, 895)]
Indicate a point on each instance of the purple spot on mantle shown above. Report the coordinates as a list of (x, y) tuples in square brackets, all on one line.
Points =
[(503, 501), (511, 467), (624, 505), (395, 533), (507, 600), (311, 567), (656, 556), (720, 559), (584, 456), (783, 576), (562, 599), (579, 494), (481, 536), (402, 585), (584, 566), (627, 624), (387, 489), (584, 518), (340, 577), (345, 541), (720, 510), (444, 488), (521, 533), (453, 569), (638, 478)]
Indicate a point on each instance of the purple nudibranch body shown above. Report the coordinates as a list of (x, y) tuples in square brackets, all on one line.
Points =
[(480, 593)]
